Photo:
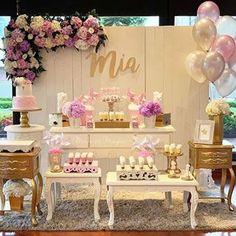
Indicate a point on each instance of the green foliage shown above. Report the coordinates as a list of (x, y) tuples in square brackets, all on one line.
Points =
[(5, 103), (122, 21), (229, 124), (232, 103)]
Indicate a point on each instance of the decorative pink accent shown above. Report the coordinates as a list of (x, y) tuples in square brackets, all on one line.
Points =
[(145, 153), (55, 151), (24, 103), (81, 168)]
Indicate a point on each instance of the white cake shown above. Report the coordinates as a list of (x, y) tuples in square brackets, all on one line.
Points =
[(24, 100)]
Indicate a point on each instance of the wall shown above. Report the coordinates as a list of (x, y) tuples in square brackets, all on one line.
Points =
[(160, 51)]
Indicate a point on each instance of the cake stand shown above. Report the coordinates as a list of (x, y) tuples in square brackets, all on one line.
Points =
[(24, 119)]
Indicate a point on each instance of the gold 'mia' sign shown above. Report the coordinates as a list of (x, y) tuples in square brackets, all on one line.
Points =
[(101, 61)]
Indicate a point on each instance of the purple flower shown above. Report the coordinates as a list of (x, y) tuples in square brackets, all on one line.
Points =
[(150, 108), (24, 46), (69, 42), (77, 109), (30, 75)]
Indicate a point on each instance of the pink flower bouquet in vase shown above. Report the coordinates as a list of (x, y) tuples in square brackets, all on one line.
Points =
[(74, 110), (88, 101), (134, 105), (149, 110)]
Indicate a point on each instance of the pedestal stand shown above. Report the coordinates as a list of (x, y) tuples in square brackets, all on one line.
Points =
[(172, 168), (24, 119)]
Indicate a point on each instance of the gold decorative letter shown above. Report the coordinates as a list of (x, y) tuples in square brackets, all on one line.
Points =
[(101, 62)]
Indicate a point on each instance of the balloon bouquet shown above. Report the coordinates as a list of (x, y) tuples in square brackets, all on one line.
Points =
[(216, 59)]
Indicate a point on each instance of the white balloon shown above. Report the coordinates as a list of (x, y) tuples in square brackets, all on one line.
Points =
[(226, 25), (226, 83), (193, 63)]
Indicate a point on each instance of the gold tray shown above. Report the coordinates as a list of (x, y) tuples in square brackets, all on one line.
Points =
[(111, 124)]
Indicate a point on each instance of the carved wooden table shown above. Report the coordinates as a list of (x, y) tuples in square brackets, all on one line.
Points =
[(60, 178), (19, 165), (163, 184), (210, 156)]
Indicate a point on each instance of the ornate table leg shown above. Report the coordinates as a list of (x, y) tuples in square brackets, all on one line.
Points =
[(48, 197), (58, 190), (34, 201), (231, 188), (194, 203), (2, 198), (185, 201), (40, 188), (223, 182), (110, 206), (168, 197), (97, 187)]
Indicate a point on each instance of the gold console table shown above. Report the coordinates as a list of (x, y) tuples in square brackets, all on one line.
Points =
[(19, 165), (211, 156)]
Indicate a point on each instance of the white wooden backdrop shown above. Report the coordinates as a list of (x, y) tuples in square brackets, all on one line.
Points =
[(161, 53)]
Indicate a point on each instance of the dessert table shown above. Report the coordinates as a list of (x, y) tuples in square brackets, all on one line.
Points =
[(112, 142), (61, 177), (163, 184)]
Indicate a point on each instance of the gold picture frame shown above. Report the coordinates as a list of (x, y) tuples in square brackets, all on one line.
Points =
[(204, 131)]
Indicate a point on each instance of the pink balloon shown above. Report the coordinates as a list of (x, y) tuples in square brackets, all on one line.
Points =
[(225, 45), (209, 10), (232, 60)]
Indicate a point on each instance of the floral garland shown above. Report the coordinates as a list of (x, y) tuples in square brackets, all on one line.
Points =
[(25, 36)]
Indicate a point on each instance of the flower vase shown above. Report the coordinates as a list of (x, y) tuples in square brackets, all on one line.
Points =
[(150, 122), (74, 122), (16, 203), (219, 128), (54, 160)]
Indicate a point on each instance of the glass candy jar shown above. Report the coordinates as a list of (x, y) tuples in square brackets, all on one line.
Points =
[(54, 159)]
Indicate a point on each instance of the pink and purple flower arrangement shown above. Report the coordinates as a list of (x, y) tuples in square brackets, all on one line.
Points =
[(150, 108), (76, 109), (25, 36)]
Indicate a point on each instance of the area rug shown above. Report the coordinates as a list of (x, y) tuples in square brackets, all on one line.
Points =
[(133, 211)]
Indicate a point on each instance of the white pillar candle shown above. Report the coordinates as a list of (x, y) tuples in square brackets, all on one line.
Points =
[(77, 157), (132, 162), (122, 162), (100, 114), (172, 148), (111, 115), (178, 148), (90, 156), (150, 161), (70, 157), (105, 115), (187, 170), (166, 148), (141, 162)]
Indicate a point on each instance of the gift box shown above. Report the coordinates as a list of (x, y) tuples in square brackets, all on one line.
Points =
[(163, 120)]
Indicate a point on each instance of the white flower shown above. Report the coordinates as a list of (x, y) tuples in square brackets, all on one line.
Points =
[(56, 25), (8, 66), (14, 64), (30, 53), (24, 56), (34, 63), (91, 30), (19, 40), (218, 107), (81, 44), (21, 21), (37, 23), (30, 36), (16, 188), (6, 32)]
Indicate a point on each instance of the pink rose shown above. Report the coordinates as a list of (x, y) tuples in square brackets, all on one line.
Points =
[(91, 22), (94, 39), (18, 54), (46, 26), (10, 54), (82, 33), (39, 41), (22, 64), (76, 22)]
